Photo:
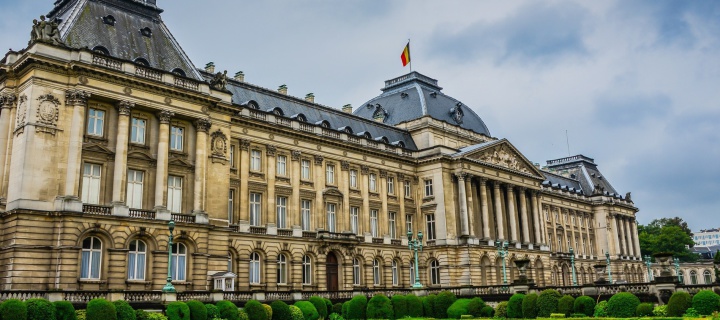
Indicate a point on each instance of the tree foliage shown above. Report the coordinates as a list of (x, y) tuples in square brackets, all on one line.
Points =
[(667, 235)]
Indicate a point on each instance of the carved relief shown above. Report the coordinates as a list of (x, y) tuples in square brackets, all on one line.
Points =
[(244, 144), (21, 112), (76, 97), (47, 111), (7, 100), (319, 160), (344, 165), (457, 113), (203, 125), (296, 155), (504, 157), (364, 170), (124, 107), (165, 116), (270, 150), (218, 144)]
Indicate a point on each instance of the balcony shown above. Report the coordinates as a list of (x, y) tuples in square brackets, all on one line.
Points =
[(106, 62), (142, 214), (185, 218), (148, 73), (97, 209)]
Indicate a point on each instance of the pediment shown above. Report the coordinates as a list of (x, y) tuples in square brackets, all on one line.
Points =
[(180, 162), (503, 154), (140, 155), (332, 192), (99, 148)]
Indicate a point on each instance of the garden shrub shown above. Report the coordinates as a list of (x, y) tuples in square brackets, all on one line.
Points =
[(79, 314), (242, 315), (141, 314), (197, 310), (547, 302), (296, 313), (578, 315), (255, 310), (212, 311), (679, 302), (337, 308), (328, 306), (660, 311), (64, 310), (501, 310), (691, 313), (156, 316), (177, 310), (308, 310), (622, 305), (429, 305), (443, 301), (584, 305), (40, 309), (565, 305), (529, 306), (268, 310), (475, 306), (706, 302), (357, 307), (280, 310), (379, 307), (13, 309), (320, 306), (557, 315), (414, 306), (99, 309), (399, 306), (227, 310), (487, 312), (124, 311), (457, 309), (644, 310), (601, 310), (514, 309), (345, 306)]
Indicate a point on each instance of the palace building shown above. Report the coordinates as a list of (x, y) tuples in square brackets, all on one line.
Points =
[(108, 131)]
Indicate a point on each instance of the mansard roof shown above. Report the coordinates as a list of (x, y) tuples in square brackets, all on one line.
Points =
[(578, 172)]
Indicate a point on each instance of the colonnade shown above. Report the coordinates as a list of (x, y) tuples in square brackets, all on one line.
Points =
[(625, 233)]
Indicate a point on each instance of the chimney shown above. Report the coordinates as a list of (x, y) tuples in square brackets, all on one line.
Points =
[(347, 108), (282, 89), (210, 67), (310, 97), (240, 76)]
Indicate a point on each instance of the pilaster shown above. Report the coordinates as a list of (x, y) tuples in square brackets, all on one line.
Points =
[(162, 158), (202, 127)]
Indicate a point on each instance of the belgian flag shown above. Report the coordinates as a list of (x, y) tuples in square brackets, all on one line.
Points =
[(405, 56)]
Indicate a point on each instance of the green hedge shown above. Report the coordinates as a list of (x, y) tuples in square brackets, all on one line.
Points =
[(296, 313), (64, 310), (529, 306), (320, 306), (679, 302), (197, 310), (227, 310), (443, 301), (547, 303), (514, 309), (459, 308), (399, 306), (644, 310), (414, 306), (584, 305), (429, 305), (100, 309), (242, 315), (379, 307), (565, 305), (308, 310), (281, 311), (337, 308), (255, 310), (345, 306), (40, 309), (600, 310), (357, 308), (501, 310), (706, 302), (487, 312), (124, 311), (622, 305), (177, 310), (475, 307), (13, 309), (212, 311), (328, 306)]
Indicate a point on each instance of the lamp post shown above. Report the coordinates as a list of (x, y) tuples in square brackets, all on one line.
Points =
[(648, 264), (415, 245), (607, 258), (677, 269), (169, 288), (572, 265), (502, 252)]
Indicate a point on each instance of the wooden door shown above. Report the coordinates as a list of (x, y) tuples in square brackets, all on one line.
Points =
[(331, 268)]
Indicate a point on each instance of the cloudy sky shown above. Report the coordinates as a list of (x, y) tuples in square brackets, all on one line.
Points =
[(636, 84)]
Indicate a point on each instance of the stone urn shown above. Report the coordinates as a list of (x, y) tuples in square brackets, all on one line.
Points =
[(600, 273), (664, 258), (522, 266)]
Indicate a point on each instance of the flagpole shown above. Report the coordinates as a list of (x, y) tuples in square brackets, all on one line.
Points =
[(409, 55)]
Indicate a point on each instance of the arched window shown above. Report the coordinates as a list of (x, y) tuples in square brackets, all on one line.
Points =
[(707, 277), (101, 50), (412, 272), (376, 272), (282, 269), (230, 262), (693, 277), (136, 260), (142, 61), (306, 270), (682, 277), (178, 262), (91, 258), (434, 272), (179, 72), (356, 272), (395, 280), (254, 268)]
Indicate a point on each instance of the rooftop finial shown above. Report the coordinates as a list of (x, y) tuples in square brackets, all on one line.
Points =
[(283, 89), (240, 76), (210, 67)]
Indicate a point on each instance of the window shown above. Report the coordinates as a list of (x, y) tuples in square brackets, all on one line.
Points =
[(376, 272), (136, 260), (356, 272), (353, 178), (91, 183), (305, 169), (255, 207), (693, 277), (428, 188), (91, 258), (232, 156), (96, 122), (707, 277), (282, 269), (306, 270), (434, 272), (390, 185), (176, 138), (137, 131), (394, 268), (254, 268), (305, 215), (682, 277), (178, 262), (255, 160), (547, 216), (281, 165), (408, 222), (174, 201), (231, 205), (391, 224), (281, 210), (373, 183), (430, 232), (412, 272), (135, 189), (330, 174), (331, 217), (374, 223), (408, 190), (230, 262), (354, 217)]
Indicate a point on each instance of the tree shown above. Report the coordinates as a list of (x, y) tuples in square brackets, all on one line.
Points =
[(667, 235)]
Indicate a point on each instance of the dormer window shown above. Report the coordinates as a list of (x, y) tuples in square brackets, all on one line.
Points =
[(252, 104), (142, 62), (346, 129), (277, 112), (382, 139), (109, 20), (146, 32), (179, 72), (323, 124), (300, 117), (101, 50)]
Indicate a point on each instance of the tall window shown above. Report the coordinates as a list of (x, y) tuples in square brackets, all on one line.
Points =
[(91, 183), (281, 165), (408, 222), (255, 160), (394, 268), (230, 262), (353, 179), (137, 131), (430, 220), (331, 216), (434, 272), (376, 272), (681, 275), (232, 156), (175, 185), (135, 189), (136, 260), (281, 210), (390, 185), (412, 272), (391, 224), (282, 269), (96, 122), (330, 174), (693, 277), (231, 205), (254, 268), (408, 191), (255, 207), (354, 217), (373, 182), (91, 258), (429, 188), (305, 215), (707, 277), (356, 272), (176, 138), (306, 270), (374, 223), (178, 262), (305, 169)]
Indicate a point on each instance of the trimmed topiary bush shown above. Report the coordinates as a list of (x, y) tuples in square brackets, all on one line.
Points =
[(328, 306), (457, 309), (487, 312), (268, 310), (255, 310), (212, 311), (399, 306), (320, 306), (529, 306), (379, 307), (308, 310), (64, 310), (501, 310), (584, 305), (296, 313), (514, 309), (600, 310), (345, 306), (141, 314), (40, 309), (429, 305), (227, 310), (475, 306), (414, 306), (242, 315), (80, 314), (13, 309), (357, 308), (337, 308), (443, 301), (679, 302), (565, 305), (197, 310), (281, 311), (124, 311), (706, 302), (644, 310), (660, 311), (547, 303), (99, 309), (177, 310), (622, 305)]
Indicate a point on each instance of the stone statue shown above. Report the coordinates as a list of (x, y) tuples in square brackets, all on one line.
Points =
[(627, 197), (219, 82), (46, 31)]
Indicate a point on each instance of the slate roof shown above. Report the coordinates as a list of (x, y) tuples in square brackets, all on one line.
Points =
[(413, 96), (82, 26), (583, 174)]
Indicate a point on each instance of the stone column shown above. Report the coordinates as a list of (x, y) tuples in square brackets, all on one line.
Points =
[(484, 208), (524, 217), (121, 148), (384, 228), (629, 238), (623, 236), (364, 190), (588, 243), (244, 165), (7, 102), (471, 207), (318, 184), (294, 214), (78, 100), (343, 216), (162, 158), (512, 213), (498, 211), (615, 234), (271, 210), (536, 216), (202, 127), (638, 253), (462, 199)]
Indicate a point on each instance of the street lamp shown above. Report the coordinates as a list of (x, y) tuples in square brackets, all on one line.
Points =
[(607, 258), (503, 252), (169, 288), (415, 245), (677, 269), (572, 264), (648, 264)]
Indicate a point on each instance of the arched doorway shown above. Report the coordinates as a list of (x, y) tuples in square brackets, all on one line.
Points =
[(331, 267)]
